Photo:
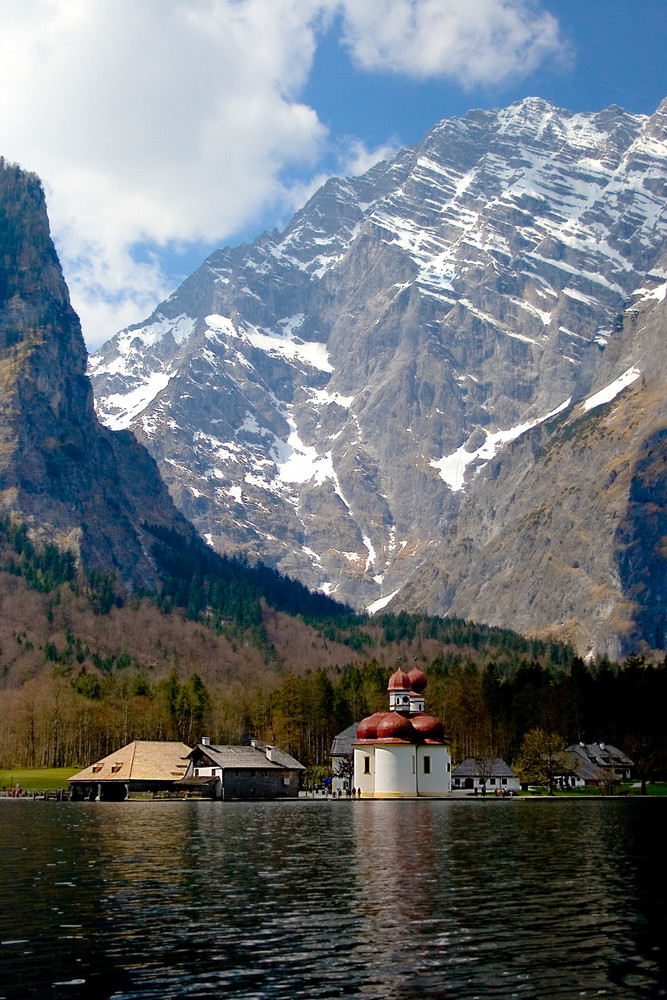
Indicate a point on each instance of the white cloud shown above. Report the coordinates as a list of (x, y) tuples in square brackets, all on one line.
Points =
[(172, 122), (153, 121), (471, 41)]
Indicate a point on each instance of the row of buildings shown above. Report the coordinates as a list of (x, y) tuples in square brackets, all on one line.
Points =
[(400, 753), (208, 770)]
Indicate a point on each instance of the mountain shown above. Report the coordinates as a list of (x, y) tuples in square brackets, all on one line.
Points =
[(70, 480), (87, 490), (394, 400)]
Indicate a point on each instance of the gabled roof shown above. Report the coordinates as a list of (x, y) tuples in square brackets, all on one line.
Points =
[(476, 767), (141, 760), (343, 744), (281, 756), (240, 757), (600, 754), (592, 758)]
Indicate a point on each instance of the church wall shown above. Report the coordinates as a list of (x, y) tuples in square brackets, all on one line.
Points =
[(366, 782), (438, 781), (395, 770)]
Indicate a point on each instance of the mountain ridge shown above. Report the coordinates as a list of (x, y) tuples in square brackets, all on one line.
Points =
[(325, 398)]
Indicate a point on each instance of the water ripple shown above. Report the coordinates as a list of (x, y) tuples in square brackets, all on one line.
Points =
[(377, 900)]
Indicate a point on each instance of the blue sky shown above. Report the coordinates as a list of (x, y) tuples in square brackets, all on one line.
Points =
[(165, 128)]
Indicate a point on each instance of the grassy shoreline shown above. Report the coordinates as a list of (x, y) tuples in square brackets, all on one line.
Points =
[(36, 779)]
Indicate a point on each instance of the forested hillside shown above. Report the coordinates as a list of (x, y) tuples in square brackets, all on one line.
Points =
[(84, 670)]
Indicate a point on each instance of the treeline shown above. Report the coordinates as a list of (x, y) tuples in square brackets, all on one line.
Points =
[(73, 718), (490, 686), (230, 597), (219, 590), (222, 593)]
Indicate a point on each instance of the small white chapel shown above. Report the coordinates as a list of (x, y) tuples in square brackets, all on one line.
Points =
[(402, 753)]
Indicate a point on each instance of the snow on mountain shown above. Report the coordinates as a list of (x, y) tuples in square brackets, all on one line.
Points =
[(321, 394)]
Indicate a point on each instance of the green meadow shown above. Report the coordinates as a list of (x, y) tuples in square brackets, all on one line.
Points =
[(37, 779)]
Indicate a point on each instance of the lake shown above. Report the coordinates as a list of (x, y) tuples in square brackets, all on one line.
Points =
[(408, 900)]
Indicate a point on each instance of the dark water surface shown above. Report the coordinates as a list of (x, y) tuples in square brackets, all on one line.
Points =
[(389, 900)]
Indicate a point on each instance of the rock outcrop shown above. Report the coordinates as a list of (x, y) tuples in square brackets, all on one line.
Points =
[(71, 480)]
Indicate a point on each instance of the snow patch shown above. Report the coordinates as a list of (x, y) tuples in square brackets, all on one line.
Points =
[(610, 391), (452, 468), (130, 405), (380, 604), (283, 344)]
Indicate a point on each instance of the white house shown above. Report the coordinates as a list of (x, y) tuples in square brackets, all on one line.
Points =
[(402, 753), (596, 762), (488, 774)]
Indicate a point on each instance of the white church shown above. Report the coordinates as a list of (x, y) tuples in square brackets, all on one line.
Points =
[(402, 753)]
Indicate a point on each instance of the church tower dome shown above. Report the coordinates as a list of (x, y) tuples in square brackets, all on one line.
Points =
[(399, 689), (418, 682)]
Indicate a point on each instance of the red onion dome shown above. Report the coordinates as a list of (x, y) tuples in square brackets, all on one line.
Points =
[(399, 681), (418, 680), (396, 727), (428, 727), (367, 728)]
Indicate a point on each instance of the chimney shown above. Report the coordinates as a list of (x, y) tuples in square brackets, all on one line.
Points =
[(270, 753), (205, 741)]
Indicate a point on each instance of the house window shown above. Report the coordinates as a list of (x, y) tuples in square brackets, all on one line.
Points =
[(492, 781), (116, 768), (427, 764), (96, 768), (367, 765), (504, 781)]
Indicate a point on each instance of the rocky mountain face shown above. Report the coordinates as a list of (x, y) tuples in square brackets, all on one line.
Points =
[(71, 480), (394, 400)]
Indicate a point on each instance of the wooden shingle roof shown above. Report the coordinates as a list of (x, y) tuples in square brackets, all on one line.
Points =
[(141, 760)]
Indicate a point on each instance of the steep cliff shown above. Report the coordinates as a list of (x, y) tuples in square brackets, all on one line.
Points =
[(71, 480)]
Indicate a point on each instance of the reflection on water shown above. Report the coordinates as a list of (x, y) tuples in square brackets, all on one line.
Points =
[(311, 900)]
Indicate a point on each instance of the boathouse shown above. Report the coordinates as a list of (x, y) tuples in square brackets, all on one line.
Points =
[(141, 767)]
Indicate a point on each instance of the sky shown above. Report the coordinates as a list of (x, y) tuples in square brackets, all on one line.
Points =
[(163, 129)]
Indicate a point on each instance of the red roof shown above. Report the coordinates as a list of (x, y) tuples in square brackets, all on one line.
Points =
[(395, 726), (418, 680), (428, 726), (367, 728), (399, 681)]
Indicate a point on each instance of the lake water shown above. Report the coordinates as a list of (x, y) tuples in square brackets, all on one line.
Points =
[(405, 900)]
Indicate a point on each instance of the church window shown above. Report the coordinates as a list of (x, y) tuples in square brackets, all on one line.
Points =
[(367, 765), (427, 764)]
